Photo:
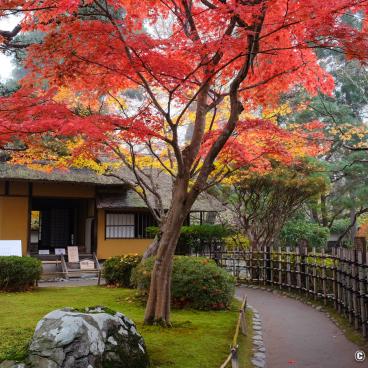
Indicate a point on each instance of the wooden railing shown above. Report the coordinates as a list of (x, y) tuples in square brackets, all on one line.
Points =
[(98, 268), (241, 326), (339, 279), (64, 267)]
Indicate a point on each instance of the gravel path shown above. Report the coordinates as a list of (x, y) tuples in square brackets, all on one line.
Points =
[(296, 335)]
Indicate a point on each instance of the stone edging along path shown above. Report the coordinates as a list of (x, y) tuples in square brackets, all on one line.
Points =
[(259, 350)]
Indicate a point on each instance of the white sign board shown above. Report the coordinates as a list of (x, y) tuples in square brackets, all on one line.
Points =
[(11, 248), (73, 255), (44, 252), (59, 251), (87, 264)]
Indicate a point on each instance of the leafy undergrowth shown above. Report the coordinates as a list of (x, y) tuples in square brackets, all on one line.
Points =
[(245, 342), (197, 339)]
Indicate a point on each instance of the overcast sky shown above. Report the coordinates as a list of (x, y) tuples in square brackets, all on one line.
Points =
[(5, 61)]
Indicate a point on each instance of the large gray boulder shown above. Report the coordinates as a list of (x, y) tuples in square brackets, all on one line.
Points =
[(96, 338), (12, 364)]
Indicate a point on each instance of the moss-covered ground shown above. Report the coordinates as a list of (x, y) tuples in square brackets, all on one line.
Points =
[(198, 339)]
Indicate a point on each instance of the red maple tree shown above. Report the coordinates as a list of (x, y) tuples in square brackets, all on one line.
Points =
[(187, 60)]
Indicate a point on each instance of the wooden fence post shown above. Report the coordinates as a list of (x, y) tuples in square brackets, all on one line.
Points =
[(306, 270), (314, 274), (270, 265), (334, 278), (243, 322), (264, 253), (288, 270), (349, 285), (259, 266), (324, 289), (250, 258), (280, 267), (339, 281), (362, 292), (298, 274), (234, 357), (354, 275), (345, 283)]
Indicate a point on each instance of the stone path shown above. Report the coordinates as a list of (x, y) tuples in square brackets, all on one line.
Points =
[(298, 336), (71, 283)]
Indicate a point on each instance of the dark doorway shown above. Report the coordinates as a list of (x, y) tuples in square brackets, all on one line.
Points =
[(60, 223), (57, 230)]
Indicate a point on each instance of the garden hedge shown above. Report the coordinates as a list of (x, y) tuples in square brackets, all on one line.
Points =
[(196, 283), (19, 273), (117, 270)]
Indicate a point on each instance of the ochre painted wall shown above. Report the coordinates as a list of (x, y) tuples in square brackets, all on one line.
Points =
[(115, 247), (14, 220), (63, 190)]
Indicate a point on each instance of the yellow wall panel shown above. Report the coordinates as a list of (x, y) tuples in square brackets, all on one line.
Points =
[(107, 248), (14, 220)]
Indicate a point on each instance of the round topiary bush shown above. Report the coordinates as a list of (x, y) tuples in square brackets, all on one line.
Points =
[(117, 270), (19, 273), (196, 282)]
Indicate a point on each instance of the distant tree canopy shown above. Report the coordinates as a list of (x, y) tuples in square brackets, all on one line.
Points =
[(262, 204)]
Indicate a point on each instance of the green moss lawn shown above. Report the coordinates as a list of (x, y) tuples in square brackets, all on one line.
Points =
[(197, 339)]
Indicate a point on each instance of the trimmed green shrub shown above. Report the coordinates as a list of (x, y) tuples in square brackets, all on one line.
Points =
[(196, 283), (117, 270), (194, 237), (19, 273)]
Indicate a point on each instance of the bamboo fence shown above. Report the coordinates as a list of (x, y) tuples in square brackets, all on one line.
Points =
[(339, 279)]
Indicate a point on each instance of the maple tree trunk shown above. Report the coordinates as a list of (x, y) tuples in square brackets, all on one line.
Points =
[(159, 299), (152, 248)]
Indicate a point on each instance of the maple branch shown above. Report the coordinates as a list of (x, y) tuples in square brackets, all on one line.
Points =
[(352, 224), (140, 182), (11, 34), (190, 152), (235, 108), (149, 145), (208, 4), (146, 86)]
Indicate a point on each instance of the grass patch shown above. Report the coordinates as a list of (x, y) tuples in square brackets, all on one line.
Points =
[(245, 342), (197, 340)]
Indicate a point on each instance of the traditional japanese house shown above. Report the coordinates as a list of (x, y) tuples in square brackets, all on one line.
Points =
[(49, 211)]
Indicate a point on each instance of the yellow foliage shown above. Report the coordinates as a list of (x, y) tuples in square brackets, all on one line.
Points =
[(273, 114), (237, 240)]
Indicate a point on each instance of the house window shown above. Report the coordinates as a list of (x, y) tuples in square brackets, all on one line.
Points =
[(120, 225), (202, 217)]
